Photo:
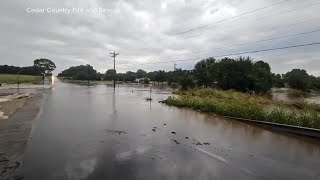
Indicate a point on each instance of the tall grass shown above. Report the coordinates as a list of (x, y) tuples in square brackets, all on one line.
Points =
[(12, 79), (241, 105)]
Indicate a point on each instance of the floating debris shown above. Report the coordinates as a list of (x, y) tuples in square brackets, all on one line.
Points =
[(187, 137), (153, 130), (174, 140), (148, 99), (199, 143), (164, 124), (206, 143), (115, 131), (17, 163), (173, 132)]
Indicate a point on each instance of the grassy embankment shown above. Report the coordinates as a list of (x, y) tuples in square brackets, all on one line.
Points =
[(241, 105), (12, 79)]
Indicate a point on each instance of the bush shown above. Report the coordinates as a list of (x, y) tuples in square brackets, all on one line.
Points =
[(146, 81), (187, 82)]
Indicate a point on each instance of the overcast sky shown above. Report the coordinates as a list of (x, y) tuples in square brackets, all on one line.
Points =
[(145, 31)]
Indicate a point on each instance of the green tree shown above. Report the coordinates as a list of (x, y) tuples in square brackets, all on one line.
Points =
[(277, 80), (297, 79), (187, 82), (261, 76), (235, 74), (109, 74), (46, 66), (82, 72), (130, 76), (205, 72), (315, 82), (141, 73), (160, 76)]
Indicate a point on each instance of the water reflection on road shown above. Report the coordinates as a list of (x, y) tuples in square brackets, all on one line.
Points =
[(91, 133)]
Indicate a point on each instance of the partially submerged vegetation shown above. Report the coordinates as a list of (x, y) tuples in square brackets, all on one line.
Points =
[(242, 105)]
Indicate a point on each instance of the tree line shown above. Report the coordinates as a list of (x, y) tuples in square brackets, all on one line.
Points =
[(242, 74), (40, 67)]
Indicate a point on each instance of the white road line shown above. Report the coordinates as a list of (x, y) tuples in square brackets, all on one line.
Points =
[(221, 159)]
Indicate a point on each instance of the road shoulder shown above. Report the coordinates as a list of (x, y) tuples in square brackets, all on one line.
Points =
[(15, 134)]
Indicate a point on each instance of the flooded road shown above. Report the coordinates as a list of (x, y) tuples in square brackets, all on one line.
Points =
[(92, 133)]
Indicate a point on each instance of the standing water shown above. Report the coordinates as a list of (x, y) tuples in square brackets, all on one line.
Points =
[(91, 133)]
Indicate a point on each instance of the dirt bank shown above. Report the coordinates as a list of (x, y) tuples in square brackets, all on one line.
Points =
[(15, 128)]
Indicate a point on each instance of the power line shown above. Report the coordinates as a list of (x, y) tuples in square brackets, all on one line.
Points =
[(227, 19), (258, 19), (230, 18), (267, 16), (247, 43), (252, 42), (235, 54), (291, 10)]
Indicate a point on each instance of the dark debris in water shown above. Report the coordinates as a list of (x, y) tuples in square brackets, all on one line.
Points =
[(115, 131), (173, 132), (176, 141)]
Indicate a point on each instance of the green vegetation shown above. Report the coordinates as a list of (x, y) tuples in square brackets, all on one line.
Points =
[(301, 80), (46, 66), (92, 82), (12, 79), (82, 72), (241, 74), (40, 67), (241, 105), (303, 104), (29, 74)]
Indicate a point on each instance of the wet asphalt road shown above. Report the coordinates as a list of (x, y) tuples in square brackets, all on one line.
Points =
[(91, 133)]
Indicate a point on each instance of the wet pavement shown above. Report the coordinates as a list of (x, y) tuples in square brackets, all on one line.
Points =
[(92, 133)]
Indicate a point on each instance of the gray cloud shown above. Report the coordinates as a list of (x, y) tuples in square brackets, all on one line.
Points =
[(144, 31)]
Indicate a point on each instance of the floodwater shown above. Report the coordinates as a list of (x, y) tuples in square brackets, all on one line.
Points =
[(92, 133), (285, 96)]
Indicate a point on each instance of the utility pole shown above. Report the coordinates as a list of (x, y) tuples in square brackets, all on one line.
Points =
[(174, 70), (18, 80), (88, 74), (114, 54)]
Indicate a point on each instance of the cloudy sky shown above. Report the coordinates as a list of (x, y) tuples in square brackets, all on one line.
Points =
[(148, 31)]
